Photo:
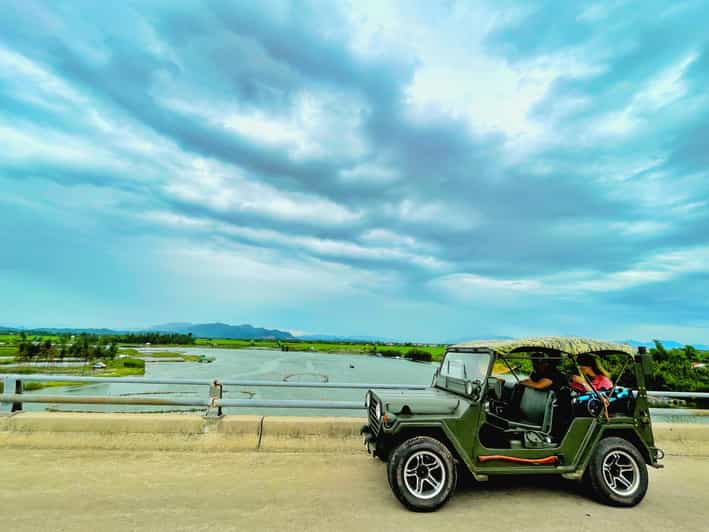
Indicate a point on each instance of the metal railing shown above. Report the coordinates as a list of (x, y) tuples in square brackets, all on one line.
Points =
[(13, 397), (678, 395)]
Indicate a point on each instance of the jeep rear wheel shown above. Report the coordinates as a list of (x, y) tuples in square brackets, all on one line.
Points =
[(422, 473), (617, 474)]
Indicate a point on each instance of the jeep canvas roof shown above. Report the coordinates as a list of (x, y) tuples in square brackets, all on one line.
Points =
[(569, 345)]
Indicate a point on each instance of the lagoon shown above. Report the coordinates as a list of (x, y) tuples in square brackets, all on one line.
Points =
[(255, 364)]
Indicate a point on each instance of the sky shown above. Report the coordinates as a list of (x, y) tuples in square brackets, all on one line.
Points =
[(415, 170)]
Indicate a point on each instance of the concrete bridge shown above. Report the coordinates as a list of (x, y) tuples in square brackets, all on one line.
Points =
[(175, 472)]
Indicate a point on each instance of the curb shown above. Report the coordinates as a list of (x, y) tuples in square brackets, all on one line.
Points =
[(231, 433)]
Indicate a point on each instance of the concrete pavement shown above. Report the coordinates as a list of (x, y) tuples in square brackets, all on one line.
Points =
[(89, 489)]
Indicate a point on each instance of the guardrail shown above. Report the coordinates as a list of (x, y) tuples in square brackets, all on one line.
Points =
[(13, 397), (679, 395)]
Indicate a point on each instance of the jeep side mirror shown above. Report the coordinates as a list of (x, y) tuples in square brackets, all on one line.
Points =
[(473, 389)]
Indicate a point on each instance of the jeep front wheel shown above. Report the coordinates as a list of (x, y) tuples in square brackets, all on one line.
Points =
[(617, 473), (422, 473)]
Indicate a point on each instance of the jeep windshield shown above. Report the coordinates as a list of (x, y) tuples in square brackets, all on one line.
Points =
[(461, 367)]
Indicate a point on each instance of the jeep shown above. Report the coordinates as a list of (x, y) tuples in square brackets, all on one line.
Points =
[(484, 414)]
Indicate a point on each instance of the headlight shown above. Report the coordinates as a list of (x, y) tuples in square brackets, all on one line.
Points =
[(378, 410), (367, 400)]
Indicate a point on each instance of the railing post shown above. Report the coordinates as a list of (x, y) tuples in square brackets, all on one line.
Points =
[(215, 392), (11, 386)]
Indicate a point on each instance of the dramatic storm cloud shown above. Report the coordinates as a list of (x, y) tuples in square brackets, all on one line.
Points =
[(413, 170)]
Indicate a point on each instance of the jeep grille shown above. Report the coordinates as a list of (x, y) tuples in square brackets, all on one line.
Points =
[(373, 421)]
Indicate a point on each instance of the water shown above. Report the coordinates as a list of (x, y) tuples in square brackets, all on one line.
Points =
[(262, 364), (255, 364)]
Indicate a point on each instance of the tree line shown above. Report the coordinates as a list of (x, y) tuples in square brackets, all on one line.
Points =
[(419, 355), (672, 369), (84, 346), (90, 346), (153, 338)]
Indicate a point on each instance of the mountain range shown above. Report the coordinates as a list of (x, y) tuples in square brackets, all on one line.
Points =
[(249, 332), (224, 330)]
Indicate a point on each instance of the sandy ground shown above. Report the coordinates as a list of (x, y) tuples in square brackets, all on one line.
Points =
[(150, 490)]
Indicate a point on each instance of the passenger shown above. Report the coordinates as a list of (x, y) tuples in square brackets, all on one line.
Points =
[(545, 375), (598, 377)]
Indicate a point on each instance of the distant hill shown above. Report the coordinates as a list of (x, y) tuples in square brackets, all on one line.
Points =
[(472, 338), (249, 332), (223, 330), (62, 330), (334, 338)]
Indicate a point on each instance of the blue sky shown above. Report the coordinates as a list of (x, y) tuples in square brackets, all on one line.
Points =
[(414, 170)]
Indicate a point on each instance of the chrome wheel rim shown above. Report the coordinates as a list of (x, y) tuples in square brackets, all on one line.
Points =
[(621, 473), (424, 475)]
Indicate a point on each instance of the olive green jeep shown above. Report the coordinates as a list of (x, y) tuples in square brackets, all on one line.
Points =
[(481, 414)]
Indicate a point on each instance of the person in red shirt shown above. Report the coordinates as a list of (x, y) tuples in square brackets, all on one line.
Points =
[(598, 377)]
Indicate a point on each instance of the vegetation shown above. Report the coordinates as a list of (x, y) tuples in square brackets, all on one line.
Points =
[(85, 347), (153, 338), (114, 368), (8, 350), (158, 339), (419, 355), (672, 369), (165, 354), (362, 348), (121, 367), (390, 353)]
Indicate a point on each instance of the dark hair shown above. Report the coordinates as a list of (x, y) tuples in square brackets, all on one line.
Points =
[(587, 359), (543, 364), (545, 357)]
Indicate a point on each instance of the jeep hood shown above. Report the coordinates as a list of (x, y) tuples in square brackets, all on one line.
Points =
[(429, 401)]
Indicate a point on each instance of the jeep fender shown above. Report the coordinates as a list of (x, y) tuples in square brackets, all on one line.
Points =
[(626, 431), (435, 429)]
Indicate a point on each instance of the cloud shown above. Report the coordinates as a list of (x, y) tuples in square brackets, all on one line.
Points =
[(433, 157)]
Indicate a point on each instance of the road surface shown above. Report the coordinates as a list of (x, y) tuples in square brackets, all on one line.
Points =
[(150, 490)]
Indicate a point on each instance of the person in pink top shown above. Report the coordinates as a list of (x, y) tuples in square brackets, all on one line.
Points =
[(598, 377)]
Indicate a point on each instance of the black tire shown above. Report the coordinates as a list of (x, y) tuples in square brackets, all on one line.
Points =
[(617, 473), (432, 471)]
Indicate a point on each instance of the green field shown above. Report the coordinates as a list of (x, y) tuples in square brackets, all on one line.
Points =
[(122, 367), (436, 350), (10, 340)]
